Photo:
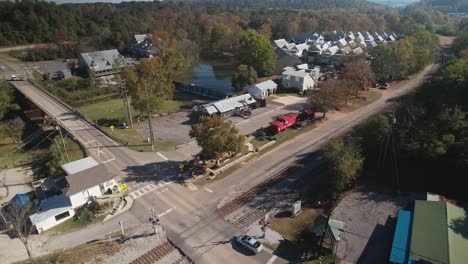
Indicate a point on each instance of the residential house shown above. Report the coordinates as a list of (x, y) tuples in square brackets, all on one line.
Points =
[(141, 45), (226, 107), (301, 49), (289, 46), (284, 58), (263, 90), (86, 179), (430, 234), (342, 43), (327, 55), (101, 62), (281, 43), (303, 66), (297, 79)]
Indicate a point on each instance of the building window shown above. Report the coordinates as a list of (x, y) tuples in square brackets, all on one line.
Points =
[(62, 216)]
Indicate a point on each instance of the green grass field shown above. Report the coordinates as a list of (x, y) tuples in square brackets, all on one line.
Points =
[(113, 109)]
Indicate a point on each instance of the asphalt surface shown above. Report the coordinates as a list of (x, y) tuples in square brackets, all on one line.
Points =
[(188, 214)]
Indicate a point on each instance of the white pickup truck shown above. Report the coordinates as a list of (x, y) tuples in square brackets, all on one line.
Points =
[(15, 77)]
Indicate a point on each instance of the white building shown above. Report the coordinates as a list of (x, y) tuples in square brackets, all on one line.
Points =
[(92, 182), (87, 179), (52, 211), (263, 89), (297, 79), (226, 107), (101, 62)]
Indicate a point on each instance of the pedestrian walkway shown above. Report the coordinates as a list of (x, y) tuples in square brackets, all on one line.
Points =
[(147, 189)]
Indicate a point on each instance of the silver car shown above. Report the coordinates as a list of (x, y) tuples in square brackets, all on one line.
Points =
[(250, 243)]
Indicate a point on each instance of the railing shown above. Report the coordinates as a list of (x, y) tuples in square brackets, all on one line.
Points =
[(210, 93), (78, 113)]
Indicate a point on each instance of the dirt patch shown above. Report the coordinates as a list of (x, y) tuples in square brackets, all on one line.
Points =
[(445, 41), (290, 228)]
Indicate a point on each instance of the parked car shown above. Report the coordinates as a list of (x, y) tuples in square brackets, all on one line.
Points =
[(2, 67), (250, 243), (384, 86), (15, 77)]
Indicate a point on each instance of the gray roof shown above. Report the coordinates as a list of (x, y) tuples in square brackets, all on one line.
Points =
[(88, 178), (50, 207), (79, 165), (281, 43), (229, 104), (293, 72), (140, 37), (264, 86), (102, 60)]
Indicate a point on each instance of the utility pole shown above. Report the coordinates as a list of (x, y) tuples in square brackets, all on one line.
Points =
[(123, 90), (149, 116), (58, 147), (63, 142)]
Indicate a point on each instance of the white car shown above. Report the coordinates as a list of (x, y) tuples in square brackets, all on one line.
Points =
[(2, 67), (250, 243)]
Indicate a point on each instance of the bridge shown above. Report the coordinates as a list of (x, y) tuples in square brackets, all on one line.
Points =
[(98, 145)]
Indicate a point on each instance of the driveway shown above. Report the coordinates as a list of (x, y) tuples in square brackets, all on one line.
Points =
[(14, 181), (370, 219)]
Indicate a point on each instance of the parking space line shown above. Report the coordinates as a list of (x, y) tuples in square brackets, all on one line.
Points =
[(165, 213), (272, 259), (109, 160), (207, 189), (162, 156)]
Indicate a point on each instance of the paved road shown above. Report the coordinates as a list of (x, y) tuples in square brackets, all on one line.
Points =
[(189, 215)]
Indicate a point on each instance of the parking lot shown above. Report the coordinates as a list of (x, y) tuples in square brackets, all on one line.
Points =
[(176, 127), (370, 219)]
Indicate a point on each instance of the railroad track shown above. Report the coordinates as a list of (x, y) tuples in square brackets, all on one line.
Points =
[(155, 254), (246, 197), (256, 214)]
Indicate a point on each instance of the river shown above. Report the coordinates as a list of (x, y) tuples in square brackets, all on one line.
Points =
[(214, 74)]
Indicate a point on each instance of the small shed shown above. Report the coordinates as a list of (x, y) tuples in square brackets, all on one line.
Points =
[(226, 107), (262, 90)]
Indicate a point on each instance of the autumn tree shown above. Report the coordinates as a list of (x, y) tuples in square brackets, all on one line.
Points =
[(256, 51), (217, 137), (243, 76), (13, 128), (358, 72), (330, 97), (151, 81)]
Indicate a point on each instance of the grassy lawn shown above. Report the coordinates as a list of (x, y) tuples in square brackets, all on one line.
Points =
[(371, 96), (85, 253), (113, 109), (10, 157), (289, 227), (137, 142)]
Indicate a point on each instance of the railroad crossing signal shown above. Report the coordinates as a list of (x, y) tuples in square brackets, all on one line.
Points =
[(112, 127), (123, 187)]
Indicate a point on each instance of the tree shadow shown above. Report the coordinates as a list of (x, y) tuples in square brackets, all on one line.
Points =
[(377, 249), (460, 225), (165, 170), (296, 107), (239, 248)]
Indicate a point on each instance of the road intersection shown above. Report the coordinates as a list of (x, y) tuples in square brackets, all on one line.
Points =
[(189, 215)]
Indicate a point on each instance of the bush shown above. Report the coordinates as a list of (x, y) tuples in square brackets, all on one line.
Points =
[(86, 216)]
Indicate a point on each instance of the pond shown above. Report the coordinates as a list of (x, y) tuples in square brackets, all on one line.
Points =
[(213, 74)]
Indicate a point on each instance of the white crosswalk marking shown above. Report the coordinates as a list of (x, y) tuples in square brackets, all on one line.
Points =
[(146, 189)]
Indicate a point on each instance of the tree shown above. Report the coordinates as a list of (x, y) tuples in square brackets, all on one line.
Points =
[(15, 218), (257, 52), (359, 72), (217, 137), (330, 97), (6, 100), (14, 128), (245, 75), (345, 164), (150, 77)]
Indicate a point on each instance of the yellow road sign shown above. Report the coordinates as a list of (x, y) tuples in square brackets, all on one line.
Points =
[(123, 187), (112, 127)]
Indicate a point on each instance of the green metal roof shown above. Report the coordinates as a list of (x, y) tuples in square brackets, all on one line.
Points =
[(440, 233), (332, 230), (429, 236), (457, 220)]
